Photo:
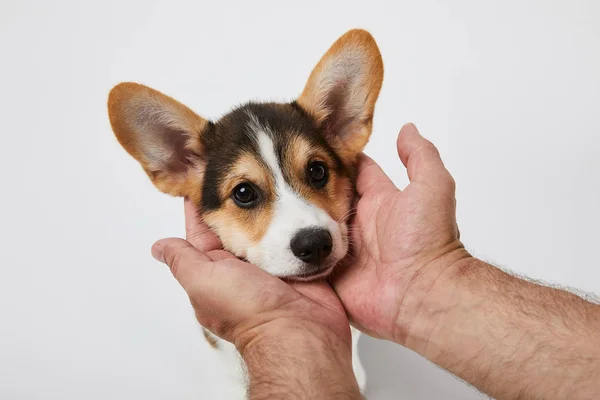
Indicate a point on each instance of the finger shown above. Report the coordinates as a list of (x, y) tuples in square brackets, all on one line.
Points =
[(197, 232), (183, 259), (422, 159), (370, 176), (224, 292), (218, 255), (322, 293)]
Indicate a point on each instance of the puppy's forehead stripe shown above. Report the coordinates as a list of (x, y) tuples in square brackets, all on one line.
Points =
[(267, 152), (286, 122), (266, 147)]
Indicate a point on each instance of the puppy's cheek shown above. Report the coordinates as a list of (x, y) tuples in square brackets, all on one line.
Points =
[(235, 243), (254, 255), (345, 237), (232, 237), (340, 240)]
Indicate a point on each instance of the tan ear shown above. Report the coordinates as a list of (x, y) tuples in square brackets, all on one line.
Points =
[(342, 90), (162, 134)]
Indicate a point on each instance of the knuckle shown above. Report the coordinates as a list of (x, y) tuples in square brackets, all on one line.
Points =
[(173, 260), (430, 147), (176, 258), (427, 150), (451, 183)]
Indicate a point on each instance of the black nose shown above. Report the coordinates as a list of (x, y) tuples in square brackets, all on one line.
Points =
[(312, 245)]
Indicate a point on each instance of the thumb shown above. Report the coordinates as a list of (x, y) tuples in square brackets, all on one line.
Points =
[(370, 175), (225, 292), (184, 260), (422, 159)]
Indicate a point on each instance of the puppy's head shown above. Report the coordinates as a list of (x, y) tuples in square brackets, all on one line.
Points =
[(274, 181)]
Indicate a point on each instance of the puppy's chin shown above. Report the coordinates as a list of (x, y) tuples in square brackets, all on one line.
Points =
[(309, 273), (316, 275)]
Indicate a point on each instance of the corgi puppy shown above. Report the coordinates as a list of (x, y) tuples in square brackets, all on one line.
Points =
[(275, 181)]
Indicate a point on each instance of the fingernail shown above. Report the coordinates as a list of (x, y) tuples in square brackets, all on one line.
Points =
[(157, 252)]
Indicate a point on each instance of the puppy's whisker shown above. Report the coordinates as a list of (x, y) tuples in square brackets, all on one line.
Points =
[(196, 234), (347, 215), (355, 232)]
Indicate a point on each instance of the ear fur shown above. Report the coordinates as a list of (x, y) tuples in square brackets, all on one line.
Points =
[(342, 90), (162, 134)]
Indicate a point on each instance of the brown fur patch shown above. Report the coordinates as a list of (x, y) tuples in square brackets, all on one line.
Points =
[(335, 198), (162, 134), (212, 340), (342, 90), (237, 227), (247, 168)]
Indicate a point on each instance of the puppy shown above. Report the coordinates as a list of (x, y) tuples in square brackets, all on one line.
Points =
[(275, 181)]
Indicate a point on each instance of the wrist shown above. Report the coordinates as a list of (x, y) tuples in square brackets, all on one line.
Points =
[(450, 323), (296, 359), (427, 294), (508, 337)]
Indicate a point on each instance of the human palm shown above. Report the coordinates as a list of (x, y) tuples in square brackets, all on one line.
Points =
[(238, 301), (397, 238)]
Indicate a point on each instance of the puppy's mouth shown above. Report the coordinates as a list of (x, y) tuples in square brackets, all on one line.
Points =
[(314, 275)]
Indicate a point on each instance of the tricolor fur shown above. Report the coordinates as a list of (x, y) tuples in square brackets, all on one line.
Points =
[(273, 180)]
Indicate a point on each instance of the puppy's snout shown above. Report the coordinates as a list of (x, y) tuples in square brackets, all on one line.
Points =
[(312, 245)]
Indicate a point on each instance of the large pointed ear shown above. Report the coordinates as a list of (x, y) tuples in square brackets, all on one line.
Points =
[(342, 90), (162, 134)]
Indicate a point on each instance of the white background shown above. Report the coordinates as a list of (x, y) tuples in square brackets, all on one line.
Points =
[(508, 90)]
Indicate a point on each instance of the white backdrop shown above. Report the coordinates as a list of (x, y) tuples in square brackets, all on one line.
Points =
[(508, 90)]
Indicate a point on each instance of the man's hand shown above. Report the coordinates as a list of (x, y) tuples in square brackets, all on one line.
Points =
[(412, 282), (274, 325), (403, 240)]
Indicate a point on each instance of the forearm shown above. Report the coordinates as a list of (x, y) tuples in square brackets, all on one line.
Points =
[(300, 363), (510, 338)]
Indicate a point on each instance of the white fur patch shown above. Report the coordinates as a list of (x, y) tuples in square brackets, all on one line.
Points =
[(291, 214), (359, 371)]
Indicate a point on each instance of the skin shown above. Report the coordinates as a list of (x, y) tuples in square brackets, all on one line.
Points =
[(412, 282), (274, 325)]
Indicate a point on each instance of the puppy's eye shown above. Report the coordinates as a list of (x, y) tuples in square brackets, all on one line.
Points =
[(317, 174), (244, 195)]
